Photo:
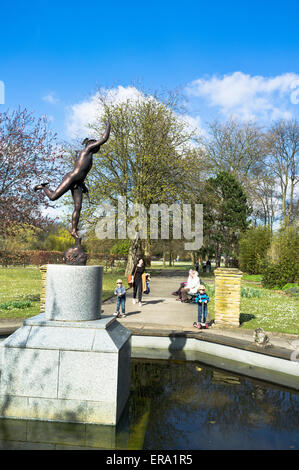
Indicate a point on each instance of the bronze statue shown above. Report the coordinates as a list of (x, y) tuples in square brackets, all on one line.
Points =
[(74, 181)]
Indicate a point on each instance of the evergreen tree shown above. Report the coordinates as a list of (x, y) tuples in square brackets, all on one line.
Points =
[(226, 214)]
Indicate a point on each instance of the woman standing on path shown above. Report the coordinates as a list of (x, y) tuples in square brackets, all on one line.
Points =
[(136, 273)]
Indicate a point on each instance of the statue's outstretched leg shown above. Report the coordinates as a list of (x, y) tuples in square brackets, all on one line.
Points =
[(64, 186), (77, 197)]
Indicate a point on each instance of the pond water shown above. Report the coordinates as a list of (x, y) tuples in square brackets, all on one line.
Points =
[(177, 405)]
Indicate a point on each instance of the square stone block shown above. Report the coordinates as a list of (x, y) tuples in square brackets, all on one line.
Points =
[(88, 376), (98, 412), (11, 406), (60, 338), (29, 372)]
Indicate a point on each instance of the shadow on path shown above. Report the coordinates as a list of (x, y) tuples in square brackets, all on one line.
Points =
[(147, 302)]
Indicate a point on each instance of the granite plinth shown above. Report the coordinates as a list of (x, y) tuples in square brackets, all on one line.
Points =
[(66, 371)]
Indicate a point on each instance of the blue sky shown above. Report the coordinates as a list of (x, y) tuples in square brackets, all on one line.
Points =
[(229, 58)]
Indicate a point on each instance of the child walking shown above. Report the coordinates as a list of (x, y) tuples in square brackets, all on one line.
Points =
[(120, 291), (202, 300)]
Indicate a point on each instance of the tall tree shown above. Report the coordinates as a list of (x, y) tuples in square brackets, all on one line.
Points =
[(226, 214), (235, 147), (143, 161), (28, 152), (283, 145), (264, 199)]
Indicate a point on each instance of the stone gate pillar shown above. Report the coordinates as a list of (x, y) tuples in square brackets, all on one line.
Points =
[(43, 270), (227, 297)]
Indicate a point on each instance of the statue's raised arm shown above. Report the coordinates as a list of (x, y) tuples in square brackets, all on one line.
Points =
[(94, 145)]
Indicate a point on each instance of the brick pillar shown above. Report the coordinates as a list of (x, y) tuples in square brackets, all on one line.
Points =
[(227, 297), (43, 270)]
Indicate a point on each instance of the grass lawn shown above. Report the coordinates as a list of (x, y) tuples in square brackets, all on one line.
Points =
[(273, 310), (20, 290), (262, 308)]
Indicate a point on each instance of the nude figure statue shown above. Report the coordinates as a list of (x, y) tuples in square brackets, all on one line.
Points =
[(74, 180)]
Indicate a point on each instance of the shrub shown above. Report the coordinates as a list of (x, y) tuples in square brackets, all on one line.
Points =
[(26, 257), (120, 248), (253, 246), (276, 275), (250, 292), (290, 285), (283, 265), (15, 304)]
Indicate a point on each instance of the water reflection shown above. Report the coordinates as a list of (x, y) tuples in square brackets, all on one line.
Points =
[(177, 405)]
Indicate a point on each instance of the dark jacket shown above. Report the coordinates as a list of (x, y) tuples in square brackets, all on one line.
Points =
[(139, 271)]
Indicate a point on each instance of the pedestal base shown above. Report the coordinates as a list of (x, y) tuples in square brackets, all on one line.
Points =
[(66, 371)]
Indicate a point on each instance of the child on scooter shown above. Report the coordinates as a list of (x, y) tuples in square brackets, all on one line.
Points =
[(202, 300)]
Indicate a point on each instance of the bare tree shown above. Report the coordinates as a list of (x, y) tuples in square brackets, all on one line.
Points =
[(235, 147), (28, 151), (264, 199), (143, 161), (283, 143)]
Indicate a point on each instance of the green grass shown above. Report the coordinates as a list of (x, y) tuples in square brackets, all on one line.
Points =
[(20, 290), (252, 277), (178, 265), (264, 308), (273, 311), (20, 285), (11, 304)]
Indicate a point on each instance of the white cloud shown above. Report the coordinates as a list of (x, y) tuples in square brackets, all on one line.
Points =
[(50, 98), (193, 124), (248, 97), (79, 116), (82, 115)]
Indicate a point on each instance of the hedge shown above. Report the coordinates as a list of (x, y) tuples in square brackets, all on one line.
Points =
[(40, 257), (27, 257)]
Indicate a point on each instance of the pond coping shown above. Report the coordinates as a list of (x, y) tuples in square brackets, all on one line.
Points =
[(228, 349), (209, 336)]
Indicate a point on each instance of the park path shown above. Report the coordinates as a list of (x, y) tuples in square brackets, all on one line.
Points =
[(159, 308)]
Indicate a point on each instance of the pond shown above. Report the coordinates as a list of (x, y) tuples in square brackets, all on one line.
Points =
[(177, 405)]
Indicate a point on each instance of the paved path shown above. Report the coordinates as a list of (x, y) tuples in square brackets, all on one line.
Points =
[(159, 308)]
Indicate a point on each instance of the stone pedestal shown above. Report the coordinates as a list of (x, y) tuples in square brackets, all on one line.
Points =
[(67, 370), (227, 297), (73, 293)]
